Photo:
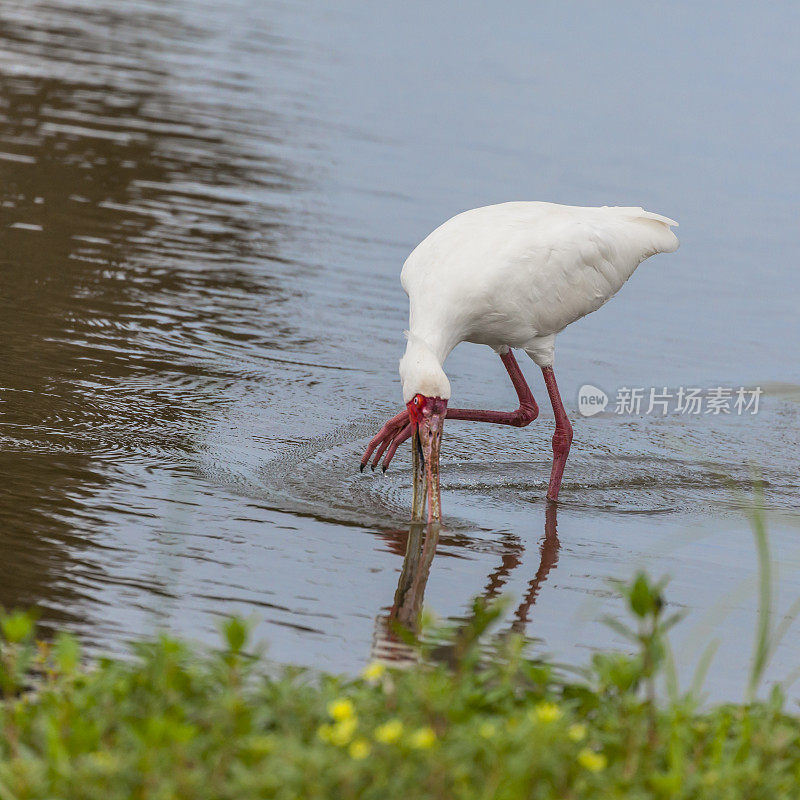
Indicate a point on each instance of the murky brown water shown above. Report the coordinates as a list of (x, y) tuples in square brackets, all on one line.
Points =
[(205, 208)]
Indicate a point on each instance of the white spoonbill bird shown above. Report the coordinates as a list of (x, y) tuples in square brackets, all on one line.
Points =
[(511, 275)]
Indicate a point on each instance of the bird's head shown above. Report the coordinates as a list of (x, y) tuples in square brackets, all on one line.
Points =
[(426, 391)]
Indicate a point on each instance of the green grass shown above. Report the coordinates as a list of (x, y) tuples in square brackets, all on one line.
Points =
[(177, 722)]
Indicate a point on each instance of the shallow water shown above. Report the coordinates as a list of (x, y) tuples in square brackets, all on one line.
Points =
[(205, 210)]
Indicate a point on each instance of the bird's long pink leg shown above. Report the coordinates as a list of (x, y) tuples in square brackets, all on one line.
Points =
[(398, 429), (524, 415), (562, 438)]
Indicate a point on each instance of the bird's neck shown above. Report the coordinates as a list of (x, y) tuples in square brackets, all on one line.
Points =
[(433, 341), (421, 369)]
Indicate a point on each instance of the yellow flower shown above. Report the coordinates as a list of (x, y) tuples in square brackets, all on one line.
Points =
[(577, 732), (374, 671), (487, 730), (390, 732), (342, 732), (359, 749), (548, 712), (423, 738), (341, 709), (594, 762)]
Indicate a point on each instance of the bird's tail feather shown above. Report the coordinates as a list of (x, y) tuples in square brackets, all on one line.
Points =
[(640, 213)]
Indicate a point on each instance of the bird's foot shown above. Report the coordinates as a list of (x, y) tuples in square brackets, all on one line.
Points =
[(387, 440)]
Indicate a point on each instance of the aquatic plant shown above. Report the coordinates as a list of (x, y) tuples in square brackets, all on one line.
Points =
[(480, 718)]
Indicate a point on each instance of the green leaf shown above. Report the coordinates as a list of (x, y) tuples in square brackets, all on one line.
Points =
[(66, 653), (641, 597), (236, 632), (17, 626)]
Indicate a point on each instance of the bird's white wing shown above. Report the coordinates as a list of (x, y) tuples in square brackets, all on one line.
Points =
[(590, 256), (510, 273)]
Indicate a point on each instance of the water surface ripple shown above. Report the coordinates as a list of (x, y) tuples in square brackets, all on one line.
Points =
[(205, 208)]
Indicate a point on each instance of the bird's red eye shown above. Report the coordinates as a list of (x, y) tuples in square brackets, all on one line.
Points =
[(417, 399)]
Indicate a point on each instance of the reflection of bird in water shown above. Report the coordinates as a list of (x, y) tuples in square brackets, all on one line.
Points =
[(406, 610), (405, 613), (509, 275), (548, 552)]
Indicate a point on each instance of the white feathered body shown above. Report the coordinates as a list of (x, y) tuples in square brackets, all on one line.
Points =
[(516, 274)]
